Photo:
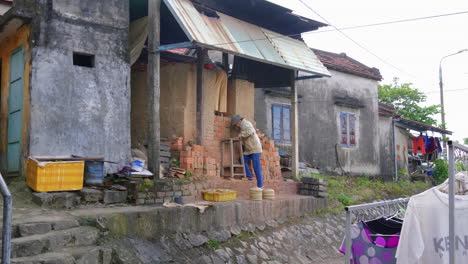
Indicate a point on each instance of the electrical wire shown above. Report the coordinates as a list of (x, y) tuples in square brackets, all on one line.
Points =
[(391, 22), (354, 41), (345, 28)]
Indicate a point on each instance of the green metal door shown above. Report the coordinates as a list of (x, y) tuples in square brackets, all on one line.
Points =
[(15, 109)]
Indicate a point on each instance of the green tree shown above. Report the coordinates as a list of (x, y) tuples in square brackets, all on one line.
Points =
[(408, 102), (465, 141)]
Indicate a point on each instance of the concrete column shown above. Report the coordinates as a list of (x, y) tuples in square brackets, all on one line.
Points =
[(154, 141), (294, 126)]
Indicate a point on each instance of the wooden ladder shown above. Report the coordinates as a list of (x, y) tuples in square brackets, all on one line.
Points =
[(232, 166)]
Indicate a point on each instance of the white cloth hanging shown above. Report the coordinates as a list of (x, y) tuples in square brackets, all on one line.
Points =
[(137, 38), (461, 184), (424, 237)]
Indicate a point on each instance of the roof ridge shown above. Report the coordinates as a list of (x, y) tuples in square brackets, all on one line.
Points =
[(365, 71)]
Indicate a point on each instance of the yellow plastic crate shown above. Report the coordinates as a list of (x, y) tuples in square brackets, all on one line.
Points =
[(54, 174), (219, 195)]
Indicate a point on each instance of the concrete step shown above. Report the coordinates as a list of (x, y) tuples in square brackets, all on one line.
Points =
[(48, 258), (37, 228), (90, 254), (53, 241)]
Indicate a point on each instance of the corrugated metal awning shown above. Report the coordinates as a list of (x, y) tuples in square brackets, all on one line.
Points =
[(231, 35)]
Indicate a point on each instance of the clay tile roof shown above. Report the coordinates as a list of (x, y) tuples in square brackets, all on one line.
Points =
[(341, 62)]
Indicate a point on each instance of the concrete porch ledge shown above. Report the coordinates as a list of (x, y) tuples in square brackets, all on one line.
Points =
[(155, 222)]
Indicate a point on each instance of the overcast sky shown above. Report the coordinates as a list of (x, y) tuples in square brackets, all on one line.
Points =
[(414, 48)]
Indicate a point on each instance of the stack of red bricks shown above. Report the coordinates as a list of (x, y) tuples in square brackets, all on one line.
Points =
[(177, 144), (195, 159), (270, 159)]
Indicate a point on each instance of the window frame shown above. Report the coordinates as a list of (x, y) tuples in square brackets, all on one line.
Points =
[(350, 134), (282, 139)]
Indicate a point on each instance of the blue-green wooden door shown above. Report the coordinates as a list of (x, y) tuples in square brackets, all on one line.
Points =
[(15, 109)]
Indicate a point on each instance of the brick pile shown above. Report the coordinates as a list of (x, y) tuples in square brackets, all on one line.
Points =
[(270, 159), (176, 145), (313, 187), (169, 189)]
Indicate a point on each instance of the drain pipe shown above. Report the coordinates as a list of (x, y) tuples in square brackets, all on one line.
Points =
[(7, 213), (394, 149)]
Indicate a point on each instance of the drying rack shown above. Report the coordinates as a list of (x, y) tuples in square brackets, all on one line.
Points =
[(349, 212)]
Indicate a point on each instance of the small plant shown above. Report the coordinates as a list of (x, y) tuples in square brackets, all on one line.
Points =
[(213, 244), (461, 166), (175, 163), (188, 174), (440, 171), (344, 199)]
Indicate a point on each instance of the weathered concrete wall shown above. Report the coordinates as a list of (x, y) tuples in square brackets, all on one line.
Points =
[(263, 115), (319, 124), (387, 165), (402, 149), (80, 110), (155, 222), (19, 38)]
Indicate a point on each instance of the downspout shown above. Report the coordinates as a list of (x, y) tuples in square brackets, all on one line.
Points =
[(394, 149)]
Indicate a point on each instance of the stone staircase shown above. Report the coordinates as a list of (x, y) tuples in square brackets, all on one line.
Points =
[(62, 241)]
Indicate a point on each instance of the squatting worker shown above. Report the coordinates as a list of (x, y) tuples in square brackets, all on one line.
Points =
[(252, 147)]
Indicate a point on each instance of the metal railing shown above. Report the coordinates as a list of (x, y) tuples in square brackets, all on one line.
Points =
[(7, 215)]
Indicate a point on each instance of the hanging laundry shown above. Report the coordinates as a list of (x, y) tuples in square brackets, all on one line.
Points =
[(419, 145), (425, 232), (431, 145), (374, 243), (439, 147)]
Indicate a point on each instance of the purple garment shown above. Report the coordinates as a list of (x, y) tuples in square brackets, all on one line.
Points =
[(431, 145), (370, 248)]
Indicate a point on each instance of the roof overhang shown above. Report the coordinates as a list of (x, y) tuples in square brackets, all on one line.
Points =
[(418, 126), (231, 35)]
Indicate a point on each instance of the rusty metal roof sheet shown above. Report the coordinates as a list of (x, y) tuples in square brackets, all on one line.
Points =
[(229, 34)]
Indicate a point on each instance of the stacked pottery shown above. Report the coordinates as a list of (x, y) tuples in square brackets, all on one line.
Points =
[(256, 194), (268, 194)]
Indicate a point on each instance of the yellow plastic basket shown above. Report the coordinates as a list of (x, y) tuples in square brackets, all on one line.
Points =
[(219, 195), (54, 175)]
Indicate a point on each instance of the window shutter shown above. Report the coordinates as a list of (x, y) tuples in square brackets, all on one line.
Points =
[(352, 129), (286, 123), (344, 128), (276, 122)]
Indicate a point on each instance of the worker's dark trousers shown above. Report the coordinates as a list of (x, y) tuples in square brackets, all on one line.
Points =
[(255, 157)]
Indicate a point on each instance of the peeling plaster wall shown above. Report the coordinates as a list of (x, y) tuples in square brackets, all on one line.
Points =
[(387, 165), (74, 109), (319, 124)]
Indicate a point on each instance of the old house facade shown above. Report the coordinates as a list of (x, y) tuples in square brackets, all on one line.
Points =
[(338, 117), (65, 81)]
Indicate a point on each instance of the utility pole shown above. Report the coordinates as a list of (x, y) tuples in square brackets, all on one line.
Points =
[(441, 85), (154, 141)]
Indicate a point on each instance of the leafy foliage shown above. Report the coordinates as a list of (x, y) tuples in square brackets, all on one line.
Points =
[(408, 102), (465, 141), (441, 171)]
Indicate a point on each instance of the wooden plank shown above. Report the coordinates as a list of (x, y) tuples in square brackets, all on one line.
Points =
[(222, 158), (242, 156), (231, 147), (200, 96)]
